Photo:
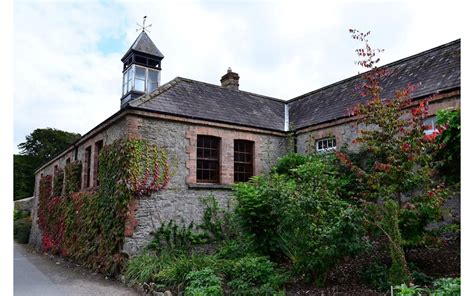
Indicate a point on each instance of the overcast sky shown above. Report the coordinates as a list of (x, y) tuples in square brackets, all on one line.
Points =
[(67, 68)]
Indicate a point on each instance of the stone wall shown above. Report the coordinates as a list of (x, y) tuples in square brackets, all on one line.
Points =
[(181, 200)]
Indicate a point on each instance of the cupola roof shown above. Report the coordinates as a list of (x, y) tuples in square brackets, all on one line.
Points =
[(144, 44)]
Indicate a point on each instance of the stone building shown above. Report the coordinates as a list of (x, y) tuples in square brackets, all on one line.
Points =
[(221, 134)]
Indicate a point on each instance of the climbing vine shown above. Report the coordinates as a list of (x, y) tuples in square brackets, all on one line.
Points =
[(58, 182), (72, 172), (89, 226)]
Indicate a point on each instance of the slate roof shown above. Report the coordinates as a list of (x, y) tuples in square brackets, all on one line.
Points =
[(144, 44), (195, 99), (432, 71)]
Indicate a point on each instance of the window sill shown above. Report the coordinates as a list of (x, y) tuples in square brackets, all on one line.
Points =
[(209, 186)]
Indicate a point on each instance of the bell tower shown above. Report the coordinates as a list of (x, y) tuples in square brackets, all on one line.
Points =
[(141, 67)]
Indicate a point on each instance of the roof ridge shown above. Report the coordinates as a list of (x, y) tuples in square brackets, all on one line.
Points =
[(238, 90), (384, 66)]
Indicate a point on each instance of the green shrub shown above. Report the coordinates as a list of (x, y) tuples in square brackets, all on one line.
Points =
[(287, 163), (376, 276), (238, 248), (203, 283), (441, 287), (174, 273), (173, 237), (19, 214), (253, 276), (404, 290), (419, 277), (302, 216), (447, 287), (142, 268), (21, 230), (450, 140), (217, 225), (260, 208)]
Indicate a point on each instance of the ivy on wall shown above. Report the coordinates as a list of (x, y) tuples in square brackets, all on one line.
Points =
[(72, 172), (89, 226), (58, 182)]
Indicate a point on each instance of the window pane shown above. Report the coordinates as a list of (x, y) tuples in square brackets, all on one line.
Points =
[(124, 84), (429, 125), (140, 73), (207, 170), (152, 86), (326, 144), (243, 160), (139, 85), (152, 75)]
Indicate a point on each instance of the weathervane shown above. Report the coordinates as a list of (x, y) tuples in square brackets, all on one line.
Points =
[(143, 27)]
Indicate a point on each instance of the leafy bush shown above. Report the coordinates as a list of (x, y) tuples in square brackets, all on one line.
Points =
[(260, 208), (253, 276), (21, 229), (420, 278), (287, 163), (216, 226), (238, 248), (142, 268), (376, 276), (174, 274), (447, 287), (450, 141), (174, 237), (441, 287), (271, 209), (203, 283), (18, 214), (404, 290)]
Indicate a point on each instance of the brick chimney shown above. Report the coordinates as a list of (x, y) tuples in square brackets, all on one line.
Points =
[(230, 80)]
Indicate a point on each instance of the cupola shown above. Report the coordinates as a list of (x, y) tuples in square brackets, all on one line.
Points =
[(141, 69)]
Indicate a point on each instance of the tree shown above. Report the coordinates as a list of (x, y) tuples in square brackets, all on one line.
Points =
[(46, 143), (23, 178), (40, 146), (400, 177)]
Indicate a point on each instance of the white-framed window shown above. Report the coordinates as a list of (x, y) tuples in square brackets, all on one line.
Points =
[(128, 79), (430, 125), (152, 80), (326, 144), (140, 79)]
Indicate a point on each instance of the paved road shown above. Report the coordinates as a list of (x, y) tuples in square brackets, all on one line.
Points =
[(38, 274)]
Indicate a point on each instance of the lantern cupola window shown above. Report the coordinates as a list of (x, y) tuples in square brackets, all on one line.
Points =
[(141, 69)]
